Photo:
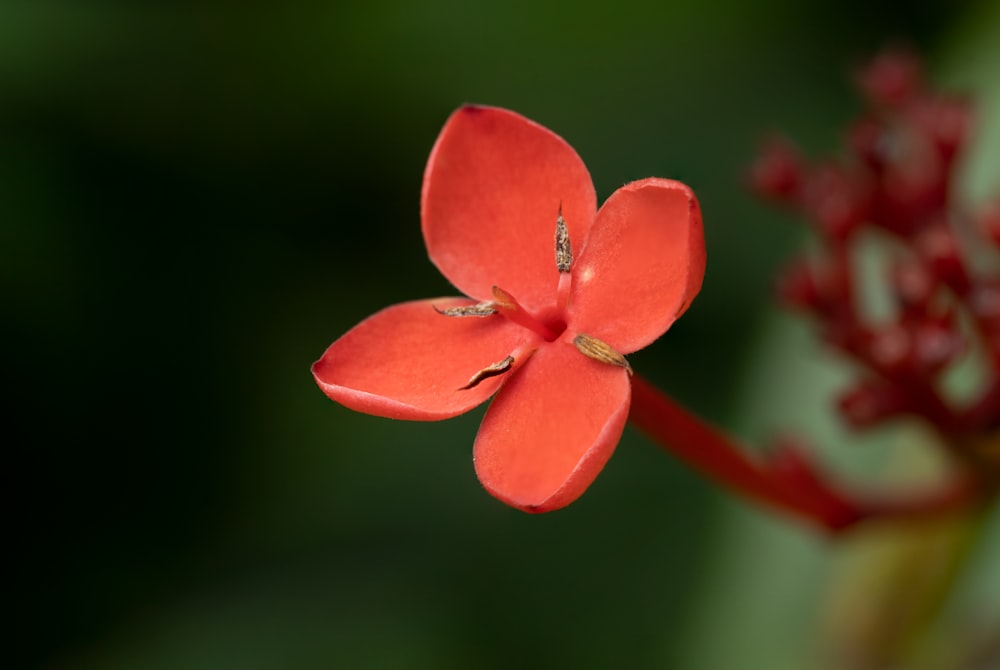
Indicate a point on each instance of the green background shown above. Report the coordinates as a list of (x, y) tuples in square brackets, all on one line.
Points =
[(197, 198)]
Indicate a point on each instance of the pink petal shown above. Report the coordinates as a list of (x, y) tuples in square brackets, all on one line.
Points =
[(551, 429), (641, 266), (409, 362), (492, 191)]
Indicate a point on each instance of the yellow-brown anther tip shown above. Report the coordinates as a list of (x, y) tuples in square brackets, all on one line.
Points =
[(592, 347), (503, 299), (479, 309), (564, 251), (493, 370)]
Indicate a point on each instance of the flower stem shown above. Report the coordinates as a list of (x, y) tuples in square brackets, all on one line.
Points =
[(790, 484)]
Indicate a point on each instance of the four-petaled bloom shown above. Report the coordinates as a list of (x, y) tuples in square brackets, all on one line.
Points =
[(558, 292)]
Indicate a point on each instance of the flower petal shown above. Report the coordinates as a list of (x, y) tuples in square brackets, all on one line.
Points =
[(410, 362), (551, 429), (641, 265), (491, 196)]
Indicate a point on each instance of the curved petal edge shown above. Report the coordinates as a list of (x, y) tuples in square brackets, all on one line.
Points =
[(551, 429), (641, 266), (492, 192), (411, 362)]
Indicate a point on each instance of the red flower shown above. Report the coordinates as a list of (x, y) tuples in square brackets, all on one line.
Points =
[(547, 328)]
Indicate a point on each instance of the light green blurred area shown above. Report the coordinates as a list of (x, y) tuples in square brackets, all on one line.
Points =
[(197, 198), (770, 585)]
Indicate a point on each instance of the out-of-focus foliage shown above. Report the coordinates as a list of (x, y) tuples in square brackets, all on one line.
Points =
[(793, 588), (196, 198)]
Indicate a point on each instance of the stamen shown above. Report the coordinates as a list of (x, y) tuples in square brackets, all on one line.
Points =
[(489, 371), (564, 252), (505, 300), (480, 309), (600, 351), (509, 307)]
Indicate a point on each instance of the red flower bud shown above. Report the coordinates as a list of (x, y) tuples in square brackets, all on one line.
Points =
[(890, 349), (913, 285), (945, 121), (937, 343), (837, 200), (913, 183), (869, 403), (891, 78), (867, 140), (799, 287), (939, 250), (776, 172)]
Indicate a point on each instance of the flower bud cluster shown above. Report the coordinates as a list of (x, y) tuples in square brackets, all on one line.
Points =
[(895, 180)]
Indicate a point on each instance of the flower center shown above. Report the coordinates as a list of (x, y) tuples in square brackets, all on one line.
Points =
[(557, 325), (549, 325), (548, 328)]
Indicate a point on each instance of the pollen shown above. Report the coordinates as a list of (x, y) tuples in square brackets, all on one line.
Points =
[(564, 252), (493, 370), (591, 347), (479, 309)]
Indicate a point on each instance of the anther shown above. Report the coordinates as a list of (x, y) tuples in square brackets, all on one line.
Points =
[(493, 370), (564, 252), (592, 347), (479, 309)]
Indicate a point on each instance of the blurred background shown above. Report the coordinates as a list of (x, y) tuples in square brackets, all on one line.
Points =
[(196, 198)]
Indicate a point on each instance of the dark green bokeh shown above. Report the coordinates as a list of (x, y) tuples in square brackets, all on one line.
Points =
[(195, 200)]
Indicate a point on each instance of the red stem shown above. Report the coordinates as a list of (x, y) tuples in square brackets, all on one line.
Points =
[(799, 492)]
